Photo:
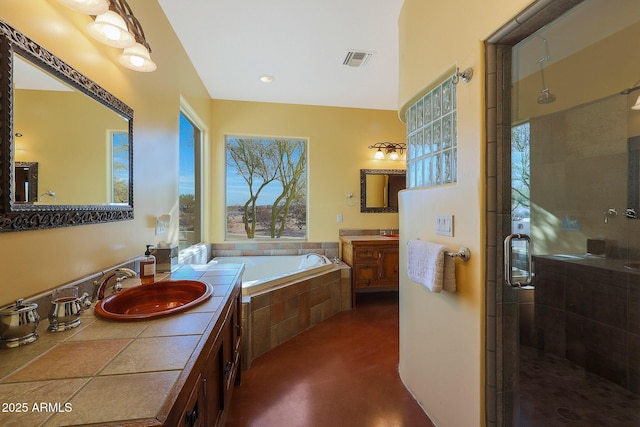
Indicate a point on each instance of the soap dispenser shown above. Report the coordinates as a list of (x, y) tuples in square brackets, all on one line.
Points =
[(148, 268)]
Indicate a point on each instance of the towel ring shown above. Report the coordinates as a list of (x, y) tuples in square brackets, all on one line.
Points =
[(463, 253)]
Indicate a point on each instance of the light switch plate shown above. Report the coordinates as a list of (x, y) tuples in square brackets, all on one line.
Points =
[(444, 225)]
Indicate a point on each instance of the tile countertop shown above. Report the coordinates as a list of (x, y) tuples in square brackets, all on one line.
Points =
[(107, 372)]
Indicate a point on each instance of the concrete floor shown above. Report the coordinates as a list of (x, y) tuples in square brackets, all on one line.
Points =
[(341, 372)]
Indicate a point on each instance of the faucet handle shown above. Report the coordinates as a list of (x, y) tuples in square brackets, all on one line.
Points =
[(85, 300), (117, 287)]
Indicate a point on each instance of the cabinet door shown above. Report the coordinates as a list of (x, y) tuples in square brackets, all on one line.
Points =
[(213, 386), (389, 266), (230, 343), (237, 337), (194, 414), (365, 274)]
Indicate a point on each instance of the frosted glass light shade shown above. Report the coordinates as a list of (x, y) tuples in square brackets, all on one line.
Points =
[(110, 29), (394, 155), (90, 7), (137, 58), (379, 155), (636, 106)]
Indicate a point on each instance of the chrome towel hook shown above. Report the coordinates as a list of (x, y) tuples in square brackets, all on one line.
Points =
[(465, 75)]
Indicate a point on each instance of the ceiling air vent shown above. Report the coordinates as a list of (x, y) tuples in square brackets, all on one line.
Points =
[(357, 59)]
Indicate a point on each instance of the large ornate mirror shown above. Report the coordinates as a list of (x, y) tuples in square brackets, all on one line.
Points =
[(379, 189), (79, 135)]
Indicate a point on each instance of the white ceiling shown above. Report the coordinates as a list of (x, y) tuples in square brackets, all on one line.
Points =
[(300, 43)]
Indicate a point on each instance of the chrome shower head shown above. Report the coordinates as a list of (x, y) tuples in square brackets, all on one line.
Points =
[(546, 97)]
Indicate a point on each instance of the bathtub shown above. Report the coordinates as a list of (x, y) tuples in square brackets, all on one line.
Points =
[(263, 273)]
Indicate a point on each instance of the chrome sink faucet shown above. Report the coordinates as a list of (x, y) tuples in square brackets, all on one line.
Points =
[(99, 286)]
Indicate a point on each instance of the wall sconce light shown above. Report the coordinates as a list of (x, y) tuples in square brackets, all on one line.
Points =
[(391, 149), (115, 25), (627, 91)]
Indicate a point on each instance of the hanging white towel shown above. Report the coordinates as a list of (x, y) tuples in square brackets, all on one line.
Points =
[(449, 279), (429, 265)]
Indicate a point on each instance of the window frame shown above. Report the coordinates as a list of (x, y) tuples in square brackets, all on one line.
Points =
[(198, 155), (305, 145)]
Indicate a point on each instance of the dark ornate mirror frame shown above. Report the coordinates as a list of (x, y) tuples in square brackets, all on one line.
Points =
[(20, 217), (363, 189)]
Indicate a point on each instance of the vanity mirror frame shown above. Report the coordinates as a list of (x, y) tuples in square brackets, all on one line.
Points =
[(363, 189), (19, 216)]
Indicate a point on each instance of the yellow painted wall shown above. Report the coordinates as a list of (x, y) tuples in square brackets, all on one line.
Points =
[(442, 335), (32, 262), (338, 140), (338, 149), (72, 160)]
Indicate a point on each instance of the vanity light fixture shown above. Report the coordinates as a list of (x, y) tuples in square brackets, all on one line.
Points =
[(109, 28), (117, 27), (90, 7), (392, 149), (634, 88)]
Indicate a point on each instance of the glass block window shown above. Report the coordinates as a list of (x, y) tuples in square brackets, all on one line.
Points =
[(432, 146)]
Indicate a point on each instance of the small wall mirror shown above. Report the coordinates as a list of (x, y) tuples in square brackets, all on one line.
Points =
[(26, 178), (379, 189), (66, 147)]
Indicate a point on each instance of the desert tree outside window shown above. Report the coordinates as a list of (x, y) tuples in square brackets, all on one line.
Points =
[(266, 188)]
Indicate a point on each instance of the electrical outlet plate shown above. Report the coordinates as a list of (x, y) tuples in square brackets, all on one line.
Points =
[(444, 225), (160, 228)]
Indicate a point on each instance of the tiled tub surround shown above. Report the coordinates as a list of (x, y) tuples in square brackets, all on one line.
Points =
[(586, 310), (276, 315), (244, 248), (110, 373), (272, 317)]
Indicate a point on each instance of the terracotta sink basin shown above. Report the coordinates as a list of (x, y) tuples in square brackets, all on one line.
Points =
[(156, 300), (391, 235)]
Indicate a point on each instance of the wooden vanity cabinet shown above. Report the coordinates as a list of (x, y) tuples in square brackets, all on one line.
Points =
[(216, 371), (374, 262)]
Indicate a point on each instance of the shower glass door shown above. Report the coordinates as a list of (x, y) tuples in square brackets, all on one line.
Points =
[(575, 141)]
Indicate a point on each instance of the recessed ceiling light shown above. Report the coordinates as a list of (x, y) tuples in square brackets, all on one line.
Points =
[(266, 79)]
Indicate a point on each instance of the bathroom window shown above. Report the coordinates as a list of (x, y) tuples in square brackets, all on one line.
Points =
[(119, 168), (266, 188), (189, 186), (432, 149)]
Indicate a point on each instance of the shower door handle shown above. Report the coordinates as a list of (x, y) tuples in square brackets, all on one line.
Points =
[(518, 274)]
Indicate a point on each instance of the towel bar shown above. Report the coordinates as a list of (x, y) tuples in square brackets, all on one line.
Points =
[(463, 253)]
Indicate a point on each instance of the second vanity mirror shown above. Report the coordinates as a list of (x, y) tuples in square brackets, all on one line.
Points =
[(379, 189), (66, 153)]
